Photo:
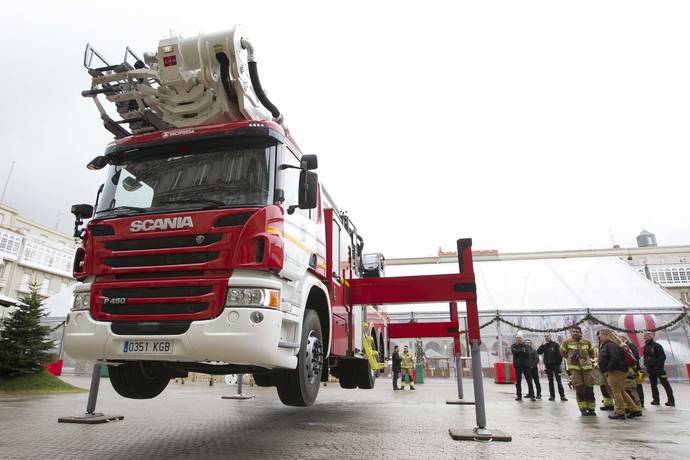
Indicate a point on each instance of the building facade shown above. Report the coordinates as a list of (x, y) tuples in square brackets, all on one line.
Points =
[(32, 253)]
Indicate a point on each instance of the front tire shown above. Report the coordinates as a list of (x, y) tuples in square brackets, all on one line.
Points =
[(139, 379), (299, 387), (264, 379)]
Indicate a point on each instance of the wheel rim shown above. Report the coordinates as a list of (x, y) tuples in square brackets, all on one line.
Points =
[(313, 359)]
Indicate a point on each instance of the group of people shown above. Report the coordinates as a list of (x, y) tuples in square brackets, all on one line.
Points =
[(403, 364), (615, 363)]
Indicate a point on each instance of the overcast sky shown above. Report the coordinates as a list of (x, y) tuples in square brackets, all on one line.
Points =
[(524, 125)]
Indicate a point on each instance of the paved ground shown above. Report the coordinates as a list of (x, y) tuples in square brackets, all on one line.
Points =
[(191, 421)]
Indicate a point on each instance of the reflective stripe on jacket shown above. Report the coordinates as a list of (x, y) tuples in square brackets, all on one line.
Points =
[(578, 353), (407, 361)]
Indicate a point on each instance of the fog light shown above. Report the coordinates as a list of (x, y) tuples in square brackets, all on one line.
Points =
[(233, 316), (256, 317)]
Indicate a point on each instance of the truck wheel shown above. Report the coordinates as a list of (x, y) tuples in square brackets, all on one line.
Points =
[(139, 380), (299, 387), (264, 379), (365, 375), (347, 381)]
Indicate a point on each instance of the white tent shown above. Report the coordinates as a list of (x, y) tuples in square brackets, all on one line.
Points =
[(553, 293), (595, 283), (59, 304)]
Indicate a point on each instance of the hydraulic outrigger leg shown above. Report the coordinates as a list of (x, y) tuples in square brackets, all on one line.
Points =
[(91, 416)]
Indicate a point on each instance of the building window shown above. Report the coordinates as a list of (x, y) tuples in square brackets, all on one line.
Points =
[(42, 257), (676, 278), (9, 243), (683, 276), (45, 287), (655, 275), (26, 281)]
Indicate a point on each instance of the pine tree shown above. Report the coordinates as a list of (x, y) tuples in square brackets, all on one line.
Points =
[(23, 340), (420, 356)]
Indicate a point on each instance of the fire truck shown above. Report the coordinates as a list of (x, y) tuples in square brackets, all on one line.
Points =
[(212, 246)]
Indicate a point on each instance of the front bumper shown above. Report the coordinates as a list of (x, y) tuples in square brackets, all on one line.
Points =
[(230, 338)]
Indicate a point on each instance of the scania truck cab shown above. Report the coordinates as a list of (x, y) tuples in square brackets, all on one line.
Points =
[(212, 247)]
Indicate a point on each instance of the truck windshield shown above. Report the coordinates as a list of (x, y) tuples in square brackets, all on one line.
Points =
[(180, 178)]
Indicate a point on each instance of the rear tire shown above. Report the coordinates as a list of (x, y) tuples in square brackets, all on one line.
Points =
[(299, 387), (365, 375), (346, 377), (139, 379)]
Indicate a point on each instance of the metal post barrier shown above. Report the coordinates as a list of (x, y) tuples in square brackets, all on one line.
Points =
[(478, 380), (480, 432), (458, 377), (239, 394), (91, 416)]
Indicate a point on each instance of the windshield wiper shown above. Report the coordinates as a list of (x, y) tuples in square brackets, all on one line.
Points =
[(125, 208), (193, 200)]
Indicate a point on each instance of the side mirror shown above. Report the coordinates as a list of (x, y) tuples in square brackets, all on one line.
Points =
[(99, 162), (308, 189), (309, 162), (82, 211)]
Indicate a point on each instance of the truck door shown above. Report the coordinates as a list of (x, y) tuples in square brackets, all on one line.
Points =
[(299, 231)]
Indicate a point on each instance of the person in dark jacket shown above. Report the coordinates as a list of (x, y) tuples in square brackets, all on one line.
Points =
[(654, 360), (612, 365), (523, 366), (534, 369), (634, 372), (552, 364), (396, 367)]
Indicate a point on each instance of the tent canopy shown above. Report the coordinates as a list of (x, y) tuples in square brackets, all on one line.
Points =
[(596, 283), (59, 304)]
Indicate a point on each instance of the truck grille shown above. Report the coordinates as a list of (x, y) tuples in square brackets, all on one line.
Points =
[(158, 299), (164, 291), (161, 259), (163, 242), (154, 308)]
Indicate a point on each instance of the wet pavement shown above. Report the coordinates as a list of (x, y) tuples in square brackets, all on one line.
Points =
[(192, 421)]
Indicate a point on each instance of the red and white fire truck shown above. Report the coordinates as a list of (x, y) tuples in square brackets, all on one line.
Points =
[(212, 246)]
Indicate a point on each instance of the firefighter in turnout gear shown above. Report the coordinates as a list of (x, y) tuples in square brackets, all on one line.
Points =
[(578, 354), (607, 401), (407, 367)]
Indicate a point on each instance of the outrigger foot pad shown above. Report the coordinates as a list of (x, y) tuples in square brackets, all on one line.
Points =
[(91, 419), (477, 434)]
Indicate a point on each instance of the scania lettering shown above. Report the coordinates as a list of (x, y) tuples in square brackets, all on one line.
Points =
[(212, 246), (150, 225)]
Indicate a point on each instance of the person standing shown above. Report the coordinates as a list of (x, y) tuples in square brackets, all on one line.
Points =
[(654, 360), (534, 369), (600, 379), (578, 354), (522, 365), (552, 364), (407, 364), (612, 365), (633, 388), (396, 367)]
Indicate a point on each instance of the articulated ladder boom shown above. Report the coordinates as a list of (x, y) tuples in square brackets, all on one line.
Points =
[(186, 82)]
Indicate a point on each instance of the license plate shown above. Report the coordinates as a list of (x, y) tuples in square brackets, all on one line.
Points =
[(148, 346)]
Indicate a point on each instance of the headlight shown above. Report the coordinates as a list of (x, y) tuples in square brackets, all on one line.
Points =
[(252, 297), (81, 301)]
